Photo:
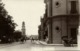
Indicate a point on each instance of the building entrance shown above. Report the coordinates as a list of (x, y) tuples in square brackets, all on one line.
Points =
[(74, 35)]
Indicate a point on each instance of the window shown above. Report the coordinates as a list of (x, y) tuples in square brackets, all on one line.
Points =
[(73, 7), (57, 4)]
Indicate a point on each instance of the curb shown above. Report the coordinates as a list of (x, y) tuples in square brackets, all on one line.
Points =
[(57, 45)]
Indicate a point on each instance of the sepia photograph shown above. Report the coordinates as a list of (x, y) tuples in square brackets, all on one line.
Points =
[(39, 25)]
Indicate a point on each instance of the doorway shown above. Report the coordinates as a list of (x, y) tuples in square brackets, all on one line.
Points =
[(74, 35)]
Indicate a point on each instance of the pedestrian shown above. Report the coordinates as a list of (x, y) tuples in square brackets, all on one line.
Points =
[(32, 40), (47, 39), (22, 40), (65, 40), (71, 41)]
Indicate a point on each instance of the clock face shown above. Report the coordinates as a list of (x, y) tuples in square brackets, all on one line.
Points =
[(57, 4)]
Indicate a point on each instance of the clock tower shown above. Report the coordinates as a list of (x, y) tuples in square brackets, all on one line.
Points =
[(23, 29)]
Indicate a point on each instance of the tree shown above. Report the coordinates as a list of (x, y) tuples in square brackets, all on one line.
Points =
[(7, 25), (17, 35)]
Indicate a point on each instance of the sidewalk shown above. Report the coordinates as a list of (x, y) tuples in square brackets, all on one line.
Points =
[(36, 42), (9, 44), (44, 43), (55, 45)]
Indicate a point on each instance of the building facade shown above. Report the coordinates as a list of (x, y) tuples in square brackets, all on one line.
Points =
[(62, 19)]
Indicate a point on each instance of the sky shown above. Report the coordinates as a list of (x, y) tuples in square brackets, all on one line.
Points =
[(29, 11)]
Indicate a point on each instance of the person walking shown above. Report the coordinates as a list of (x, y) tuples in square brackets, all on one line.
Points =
[(66, 41), (32, 40)]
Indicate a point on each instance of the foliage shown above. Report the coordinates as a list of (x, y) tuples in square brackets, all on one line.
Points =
[(7, 25), (17, 35)]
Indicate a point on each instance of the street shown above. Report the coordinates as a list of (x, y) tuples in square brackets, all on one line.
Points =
[(32, 46)]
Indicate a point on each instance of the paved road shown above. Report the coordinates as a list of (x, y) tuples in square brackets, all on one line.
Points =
[(32, 46), (27, 46)]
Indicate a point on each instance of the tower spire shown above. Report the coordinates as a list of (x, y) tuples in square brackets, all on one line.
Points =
[(23, 28)]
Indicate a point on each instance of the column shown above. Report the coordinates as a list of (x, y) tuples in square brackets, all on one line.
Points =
[(50, 31)]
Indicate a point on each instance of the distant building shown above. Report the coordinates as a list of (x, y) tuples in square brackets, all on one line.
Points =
[(61, 18), (35, 37)]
